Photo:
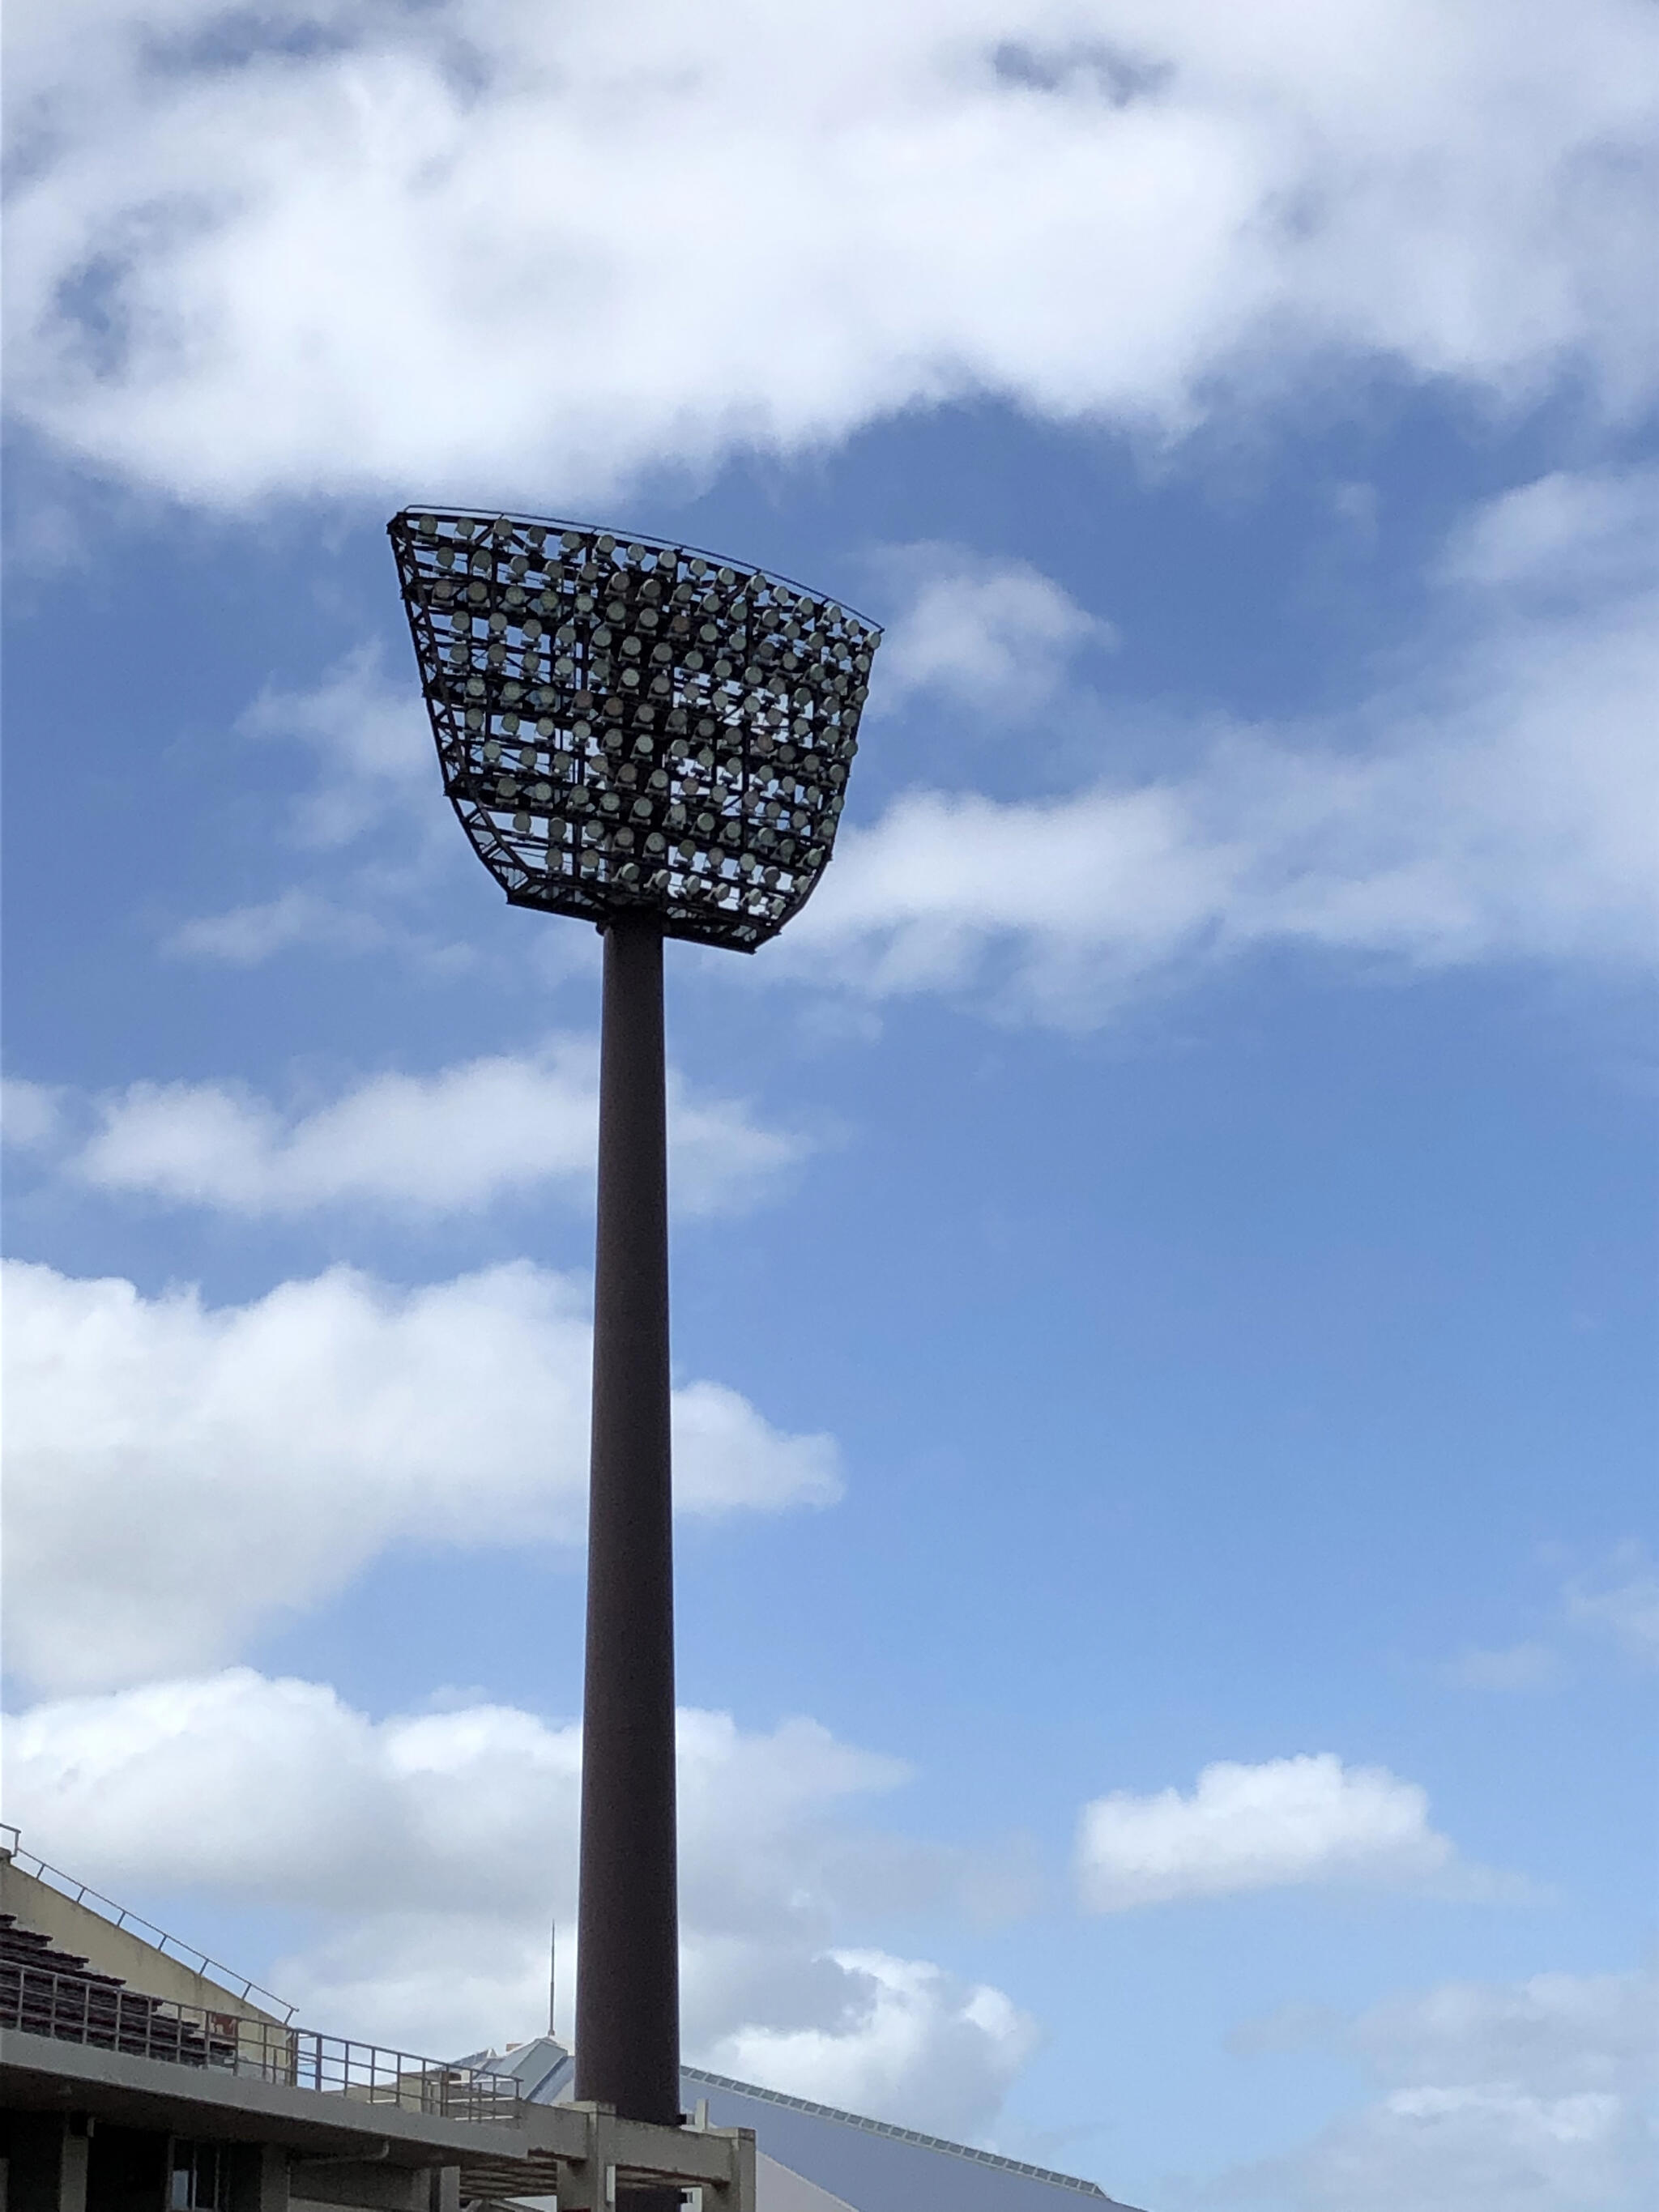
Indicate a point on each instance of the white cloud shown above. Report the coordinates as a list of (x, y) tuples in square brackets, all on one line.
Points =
[(436, 1845), (1526, 1666), (1284, 1822), (425, 1144), (30, 1112), (1566, 534), (244, 936), (1501, 805), (375, 787), (1528, 2097), (1622, 1602), (492, 244), (180, 1475), (373, 744), (993, 635), (1617, 1603), (913, 2040)]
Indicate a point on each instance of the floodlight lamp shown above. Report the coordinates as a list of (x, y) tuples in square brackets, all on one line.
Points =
[(620, 667)]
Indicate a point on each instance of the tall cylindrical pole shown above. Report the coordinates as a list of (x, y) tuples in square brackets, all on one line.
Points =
[(627, 1955)]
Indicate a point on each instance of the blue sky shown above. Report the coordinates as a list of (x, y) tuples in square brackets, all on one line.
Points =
[(1164, 1252)]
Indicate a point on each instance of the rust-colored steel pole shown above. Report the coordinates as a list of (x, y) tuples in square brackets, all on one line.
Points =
[(627, 1961)]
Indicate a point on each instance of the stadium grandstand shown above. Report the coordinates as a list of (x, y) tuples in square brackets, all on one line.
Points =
[(138, 2075)]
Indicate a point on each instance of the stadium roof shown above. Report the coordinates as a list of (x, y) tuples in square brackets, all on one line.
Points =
[(867, 2166)]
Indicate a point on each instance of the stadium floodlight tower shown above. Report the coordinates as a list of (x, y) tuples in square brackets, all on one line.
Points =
[(657, 741)]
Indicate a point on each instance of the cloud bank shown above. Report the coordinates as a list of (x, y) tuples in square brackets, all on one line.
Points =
[(423, 1145), (429, 1849), (1532, 2096), (340, 246), (1498, 805), (180, 1475)]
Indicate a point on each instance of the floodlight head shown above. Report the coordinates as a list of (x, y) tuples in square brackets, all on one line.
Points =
[(627, 725)]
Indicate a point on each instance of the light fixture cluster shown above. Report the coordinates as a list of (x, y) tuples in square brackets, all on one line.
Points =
[(623, 724)]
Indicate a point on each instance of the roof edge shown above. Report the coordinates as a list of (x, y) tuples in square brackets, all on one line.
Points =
[(897, 2134)]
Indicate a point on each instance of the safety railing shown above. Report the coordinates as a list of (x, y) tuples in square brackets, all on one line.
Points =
[(76, 2009), (122, 1916)]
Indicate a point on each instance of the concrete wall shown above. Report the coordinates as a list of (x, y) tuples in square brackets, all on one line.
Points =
[(111, 1950)]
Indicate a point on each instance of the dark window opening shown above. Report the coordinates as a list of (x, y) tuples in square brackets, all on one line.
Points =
[(199, 2179)]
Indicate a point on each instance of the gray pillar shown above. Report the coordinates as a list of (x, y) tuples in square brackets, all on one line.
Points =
[(628, 1958), (72, 2167), (259, 2178)]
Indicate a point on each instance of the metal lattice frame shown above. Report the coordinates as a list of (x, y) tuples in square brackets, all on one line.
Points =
[(627, 725)]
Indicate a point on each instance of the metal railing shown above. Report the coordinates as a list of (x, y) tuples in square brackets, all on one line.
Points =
[(76, 2009), (119, 1916)]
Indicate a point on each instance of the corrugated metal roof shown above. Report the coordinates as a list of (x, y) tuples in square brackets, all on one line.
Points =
[(871, 2165), (899, 2135)]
